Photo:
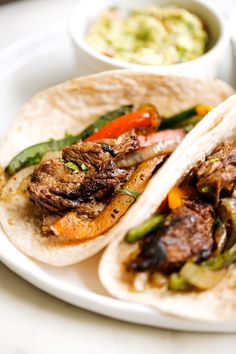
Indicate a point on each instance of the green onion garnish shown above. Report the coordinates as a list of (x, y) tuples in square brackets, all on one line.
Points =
[(214, 160), (84, 167), (72, 166), (208, 189), (129, 192), (75, 167)]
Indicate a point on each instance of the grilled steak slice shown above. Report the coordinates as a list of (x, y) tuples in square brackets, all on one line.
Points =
[(187, 233), (219, 169), (57, 186), (102, 151)]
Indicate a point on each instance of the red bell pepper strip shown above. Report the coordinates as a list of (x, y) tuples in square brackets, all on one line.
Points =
[(145, 117)]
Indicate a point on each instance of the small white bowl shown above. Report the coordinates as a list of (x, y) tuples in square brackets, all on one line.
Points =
[(86, 13)]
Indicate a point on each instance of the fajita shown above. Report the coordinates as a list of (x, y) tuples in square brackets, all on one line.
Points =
[(180, 257), (66, 198)]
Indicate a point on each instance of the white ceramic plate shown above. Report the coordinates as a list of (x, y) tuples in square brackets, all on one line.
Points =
[(29, 65)]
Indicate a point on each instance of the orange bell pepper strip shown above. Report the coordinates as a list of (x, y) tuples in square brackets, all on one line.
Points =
[(176, 197), (202, 110), (147, 116), (72, 228)]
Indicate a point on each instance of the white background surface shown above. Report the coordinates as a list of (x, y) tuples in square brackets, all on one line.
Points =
[(34, 322)]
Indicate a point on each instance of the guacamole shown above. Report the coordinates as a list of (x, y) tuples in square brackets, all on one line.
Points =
[(150, 36)]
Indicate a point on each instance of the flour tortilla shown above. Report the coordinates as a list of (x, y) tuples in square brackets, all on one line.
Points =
[(217, 304), (71, 107)]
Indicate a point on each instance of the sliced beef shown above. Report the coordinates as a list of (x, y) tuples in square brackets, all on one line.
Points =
[(101, 152), (187, 233), (219, 169), (57, 187)]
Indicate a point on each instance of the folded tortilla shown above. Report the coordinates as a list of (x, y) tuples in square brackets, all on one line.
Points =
[(72, 106), (214, 305)]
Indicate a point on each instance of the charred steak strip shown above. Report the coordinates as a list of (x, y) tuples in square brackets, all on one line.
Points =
[(187, 233), (57, 187), (101, 153), (219, 169)]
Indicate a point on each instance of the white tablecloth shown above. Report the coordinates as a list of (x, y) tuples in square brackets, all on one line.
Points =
[(32, 322)]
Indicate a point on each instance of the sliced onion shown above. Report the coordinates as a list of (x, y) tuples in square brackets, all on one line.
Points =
[(227, 211), (158, 280), (162, 135), (220, 237), (200, 277), (10, 189), (140, 281), (161, 148)]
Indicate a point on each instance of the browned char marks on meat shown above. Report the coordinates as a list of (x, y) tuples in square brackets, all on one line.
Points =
[(101, 152), (219, 169), (57, 187), (187, 234)]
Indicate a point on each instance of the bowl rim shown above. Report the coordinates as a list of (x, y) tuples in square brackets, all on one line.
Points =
[(220, 45)]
